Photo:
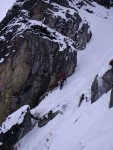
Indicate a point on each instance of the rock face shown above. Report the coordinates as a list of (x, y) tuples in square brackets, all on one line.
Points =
[(105, 3), (111, 99), (94, 90), (60, 2), (15, 127), (45, 119), (42, 121), (36, 44), (111, 3), (102, 85)]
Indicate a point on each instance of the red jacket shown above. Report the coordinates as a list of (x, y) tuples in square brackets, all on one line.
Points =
[(60, 76)]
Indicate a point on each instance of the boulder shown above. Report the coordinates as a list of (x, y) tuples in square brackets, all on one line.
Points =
[(15, 127), (101, 85), (111, 99), (43, 120)]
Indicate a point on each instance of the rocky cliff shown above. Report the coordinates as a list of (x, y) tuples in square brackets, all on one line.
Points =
[(102, 85), (38, 40), (106, 3)]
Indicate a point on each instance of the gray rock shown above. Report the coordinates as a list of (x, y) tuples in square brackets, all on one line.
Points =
[(105, 3), (94, 90), (43, 120), (111, 99), (46, 118)]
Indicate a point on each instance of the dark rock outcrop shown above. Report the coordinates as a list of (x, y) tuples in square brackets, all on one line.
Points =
[(111, 3), (61, 2), (82, 97), (35, 45), (15, 127), (105, 3), (101, 85), (111, 99), (94, 90), (45, 119), (82, 3)]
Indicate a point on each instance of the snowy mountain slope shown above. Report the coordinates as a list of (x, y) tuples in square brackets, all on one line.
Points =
[(90, 126)]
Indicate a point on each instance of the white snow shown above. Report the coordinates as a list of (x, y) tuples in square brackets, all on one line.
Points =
[(14, 50), (2, 38), (1, 60), (89, 127), (15, 118), (7, 54)]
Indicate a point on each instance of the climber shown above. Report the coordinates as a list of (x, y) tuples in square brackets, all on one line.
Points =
[(62, 80), (61, 84)]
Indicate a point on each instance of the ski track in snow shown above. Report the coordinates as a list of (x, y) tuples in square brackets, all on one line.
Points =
[(90, 126)]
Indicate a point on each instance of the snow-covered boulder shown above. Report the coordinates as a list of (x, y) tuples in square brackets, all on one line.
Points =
[(15, 127)]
